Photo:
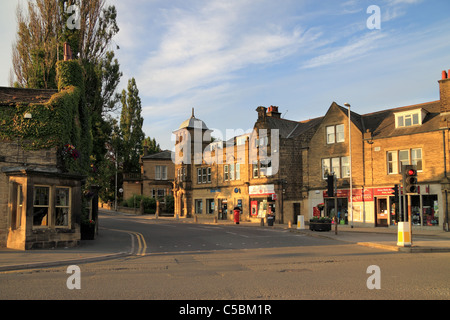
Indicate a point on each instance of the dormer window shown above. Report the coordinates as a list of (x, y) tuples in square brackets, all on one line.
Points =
[(409, 118)]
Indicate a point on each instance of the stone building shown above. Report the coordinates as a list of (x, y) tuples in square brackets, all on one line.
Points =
[(281, 167), (41, 150), (381, 142), (156, 177), (259, 172)]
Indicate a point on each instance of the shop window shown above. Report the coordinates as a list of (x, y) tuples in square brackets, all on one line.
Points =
[(41, 201), (198, 206), (62, 206), (210, 206), (17, 206)]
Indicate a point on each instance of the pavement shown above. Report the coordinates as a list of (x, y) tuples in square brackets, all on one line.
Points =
[(424, 239)]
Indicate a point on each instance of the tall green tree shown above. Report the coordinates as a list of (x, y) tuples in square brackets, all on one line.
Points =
[(131, 123), (41, 32)]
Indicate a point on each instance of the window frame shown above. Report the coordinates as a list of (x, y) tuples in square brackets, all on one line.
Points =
[(68, 207), (48, 206)]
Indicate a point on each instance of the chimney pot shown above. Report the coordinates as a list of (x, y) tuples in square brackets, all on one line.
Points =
[(444, 75)]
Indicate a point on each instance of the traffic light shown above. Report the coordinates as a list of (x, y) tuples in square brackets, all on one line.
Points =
[(330, 185), (396, 192), (410, 179)]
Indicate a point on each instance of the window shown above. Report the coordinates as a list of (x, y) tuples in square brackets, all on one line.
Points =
[(231, 171), (62, 207), (340, 134), (238, 171), (198, 206), (326, 168), (41, 200), (204, 175), (210, 206), (416, 158), (409, 118), (160, 172), (392, 161), (397, 159), (161, 193), (225, 172), (255, 170), (335, 134), (340, 166), (17, 206), (330, 135), (345, 166), (403, 157)]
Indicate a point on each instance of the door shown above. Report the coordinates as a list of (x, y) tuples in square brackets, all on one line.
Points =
[(381, 212)]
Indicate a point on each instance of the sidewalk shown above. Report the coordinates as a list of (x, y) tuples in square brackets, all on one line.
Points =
[(104, 248)]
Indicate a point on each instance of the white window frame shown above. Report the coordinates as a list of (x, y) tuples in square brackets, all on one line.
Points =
[(48, 206), (68, 206)]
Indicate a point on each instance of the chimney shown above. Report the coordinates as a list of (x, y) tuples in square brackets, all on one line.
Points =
[(67, 52), (261, 113), (273, 112), (444, 90)]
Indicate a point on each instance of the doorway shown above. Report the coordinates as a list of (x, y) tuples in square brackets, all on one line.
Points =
[(381, 210)]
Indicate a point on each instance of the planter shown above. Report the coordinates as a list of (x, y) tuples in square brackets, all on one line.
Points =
[(320, 226), (87, 231)]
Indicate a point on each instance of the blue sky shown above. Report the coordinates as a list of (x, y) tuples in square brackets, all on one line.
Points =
[(226, 58)]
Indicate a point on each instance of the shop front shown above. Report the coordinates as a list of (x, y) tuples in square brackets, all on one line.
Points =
[(377, 206), (262, 201)]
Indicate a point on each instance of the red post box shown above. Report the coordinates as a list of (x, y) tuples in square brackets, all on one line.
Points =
[(237, 213)]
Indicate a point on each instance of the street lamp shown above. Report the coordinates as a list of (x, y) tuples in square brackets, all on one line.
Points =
[(350, 160)]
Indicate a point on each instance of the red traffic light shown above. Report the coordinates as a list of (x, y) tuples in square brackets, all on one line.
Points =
[(411, 172)]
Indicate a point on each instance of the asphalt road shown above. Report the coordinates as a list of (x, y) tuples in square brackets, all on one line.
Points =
[(181, 261)]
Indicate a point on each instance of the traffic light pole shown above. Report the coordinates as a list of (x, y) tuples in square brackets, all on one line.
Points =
[(409, 216)]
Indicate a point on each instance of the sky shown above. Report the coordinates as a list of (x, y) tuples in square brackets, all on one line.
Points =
[(226, 58)]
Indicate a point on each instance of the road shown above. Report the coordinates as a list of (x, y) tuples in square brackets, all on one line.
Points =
[(183, 261)]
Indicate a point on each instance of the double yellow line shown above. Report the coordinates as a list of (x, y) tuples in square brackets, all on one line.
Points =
[(142, 245)]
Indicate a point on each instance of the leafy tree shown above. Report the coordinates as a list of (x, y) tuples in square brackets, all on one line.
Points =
[(131, 123), (151, 145)]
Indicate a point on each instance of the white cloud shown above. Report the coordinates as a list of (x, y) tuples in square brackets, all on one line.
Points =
[(201, 48), (355, 49)]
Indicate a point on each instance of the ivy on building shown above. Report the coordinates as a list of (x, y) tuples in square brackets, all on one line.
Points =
[(61, 121)]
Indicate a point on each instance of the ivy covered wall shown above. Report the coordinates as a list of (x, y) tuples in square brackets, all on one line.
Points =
[(62, 122)]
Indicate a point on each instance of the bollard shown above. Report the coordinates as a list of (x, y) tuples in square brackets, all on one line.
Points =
[(262, 222), (289, 224), (195, 219), (404, 235)]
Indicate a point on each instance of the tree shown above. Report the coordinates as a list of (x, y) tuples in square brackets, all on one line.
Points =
[(41, 33), (131, 123), (151, 145)]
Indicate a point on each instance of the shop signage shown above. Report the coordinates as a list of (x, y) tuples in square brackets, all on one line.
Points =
[(261, 190), (360, 195)]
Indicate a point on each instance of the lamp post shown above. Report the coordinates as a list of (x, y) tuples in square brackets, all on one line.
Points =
[(350, 160)]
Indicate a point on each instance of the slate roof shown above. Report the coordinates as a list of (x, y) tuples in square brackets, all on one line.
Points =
[(12, 96), (382, 123), (163, 155)]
